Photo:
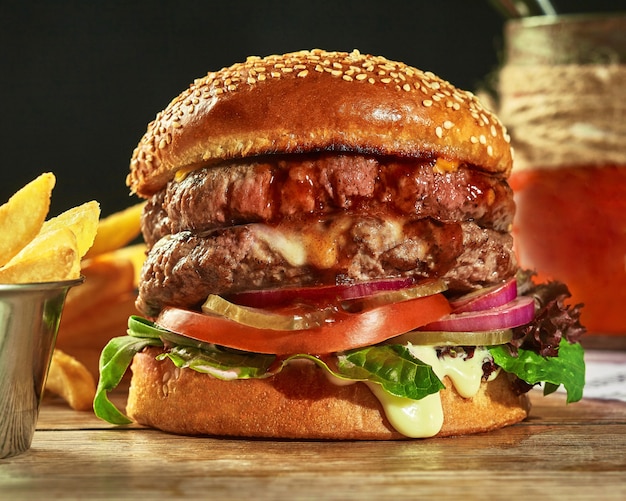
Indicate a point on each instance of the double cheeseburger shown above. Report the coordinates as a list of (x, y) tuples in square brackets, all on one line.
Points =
[(330, 257)]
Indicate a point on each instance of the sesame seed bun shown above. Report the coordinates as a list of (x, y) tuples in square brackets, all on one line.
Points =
[(301, 402), (313, 101)]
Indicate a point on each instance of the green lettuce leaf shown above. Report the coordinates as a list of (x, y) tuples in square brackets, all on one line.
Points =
[(393, 367), (114, 362), (220, 363), (567, 369)]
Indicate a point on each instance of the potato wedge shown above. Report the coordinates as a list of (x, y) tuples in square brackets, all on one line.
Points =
[(50, 257), (86, 335), (117, 230), (71, 380), (136, 254), (106, 278), (22, 216), (83, 220)]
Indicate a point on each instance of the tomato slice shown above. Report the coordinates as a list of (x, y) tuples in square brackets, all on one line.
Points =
[(347, 331)]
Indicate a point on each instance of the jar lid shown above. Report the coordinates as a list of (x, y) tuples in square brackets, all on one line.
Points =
[(566, 39)]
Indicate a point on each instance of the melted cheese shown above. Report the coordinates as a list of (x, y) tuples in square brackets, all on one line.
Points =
[(290, 246), (321, 244)]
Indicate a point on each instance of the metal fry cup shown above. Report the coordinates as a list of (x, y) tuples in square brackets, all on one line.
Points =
[(29, 321)]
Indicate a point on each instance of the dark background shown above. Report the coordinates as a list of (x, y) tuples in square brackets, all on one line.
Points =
[(80, 80)]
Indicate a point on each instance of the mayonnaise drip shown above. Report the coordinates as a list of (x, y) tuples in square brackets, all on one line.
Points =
[(424, 418)]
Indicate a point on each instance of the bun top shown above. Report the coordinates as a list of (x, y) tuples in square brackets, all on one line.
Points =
[(313, 101)]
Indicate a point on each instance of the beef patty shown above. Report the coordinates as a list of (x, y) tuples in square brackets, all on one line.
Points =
[(323, 219), (270, 189), (183, 269)]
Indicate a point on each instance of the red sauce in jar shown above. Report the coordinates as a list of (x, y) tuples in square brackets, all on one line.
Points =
[(570, 225)]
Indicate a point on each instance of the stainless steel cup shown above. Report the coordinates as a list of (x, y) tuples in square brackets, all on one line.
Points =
[(29, 321)]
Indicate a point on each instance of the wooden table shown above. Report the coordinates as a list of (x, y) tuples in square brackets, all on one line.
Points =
[(560, 452)]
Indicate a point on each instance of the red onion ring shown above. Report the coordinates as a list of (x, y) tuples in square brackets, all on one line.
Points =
[(269, 298), (518, 312), (484, 299)]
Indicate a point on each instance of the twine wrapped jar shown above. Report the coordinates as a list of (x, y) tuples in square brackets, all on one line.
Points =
[(562, 95)]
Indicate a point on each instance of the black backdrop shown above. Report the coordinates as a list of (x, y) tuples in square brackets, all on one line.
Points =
[(79, 80)]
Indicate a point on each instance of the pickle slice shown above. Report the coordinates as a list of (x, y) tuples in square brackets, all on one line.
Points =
[(445, 338), (264, 319), (423, 289)]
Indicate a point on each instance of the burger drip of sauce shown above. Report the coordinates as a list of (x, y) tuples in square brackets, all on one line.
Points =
[(571, 225), (424, 418)]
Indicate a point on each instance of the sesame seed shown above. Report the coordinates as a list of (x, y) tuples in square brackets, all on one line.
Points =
[(347, 78), (427, 102), (482, 139), (448, 124), (303, 73), (406, 87), (385, 80), (439, 132), (490, 150), (473, 139)]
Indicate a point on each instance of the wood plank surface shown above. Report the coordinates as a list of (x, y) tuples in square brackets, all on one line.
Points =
[(561, 452)]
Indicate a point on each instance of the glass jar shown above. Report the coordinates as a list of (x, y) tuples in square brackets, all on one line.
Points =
[(562, 94)]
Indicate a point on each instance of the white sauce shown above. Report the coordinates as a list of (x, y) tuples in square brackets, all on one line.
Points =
[(413, 418), (424, 418)]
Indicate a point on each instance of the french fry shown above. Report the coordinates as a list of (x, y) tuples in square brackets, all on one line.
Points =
[(82, 220), (50, 257), (136, 254), (33, 250), (85, 336), (22, 216), (71, 380), (106, 278), (117, 230)]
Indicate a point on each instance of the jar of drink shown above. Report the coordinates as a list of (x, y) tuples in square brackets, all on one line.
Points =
[(562, 94)]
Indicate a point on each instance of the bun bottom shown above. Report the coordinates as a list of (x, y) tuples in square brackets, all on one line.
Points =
[(299, 403)]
